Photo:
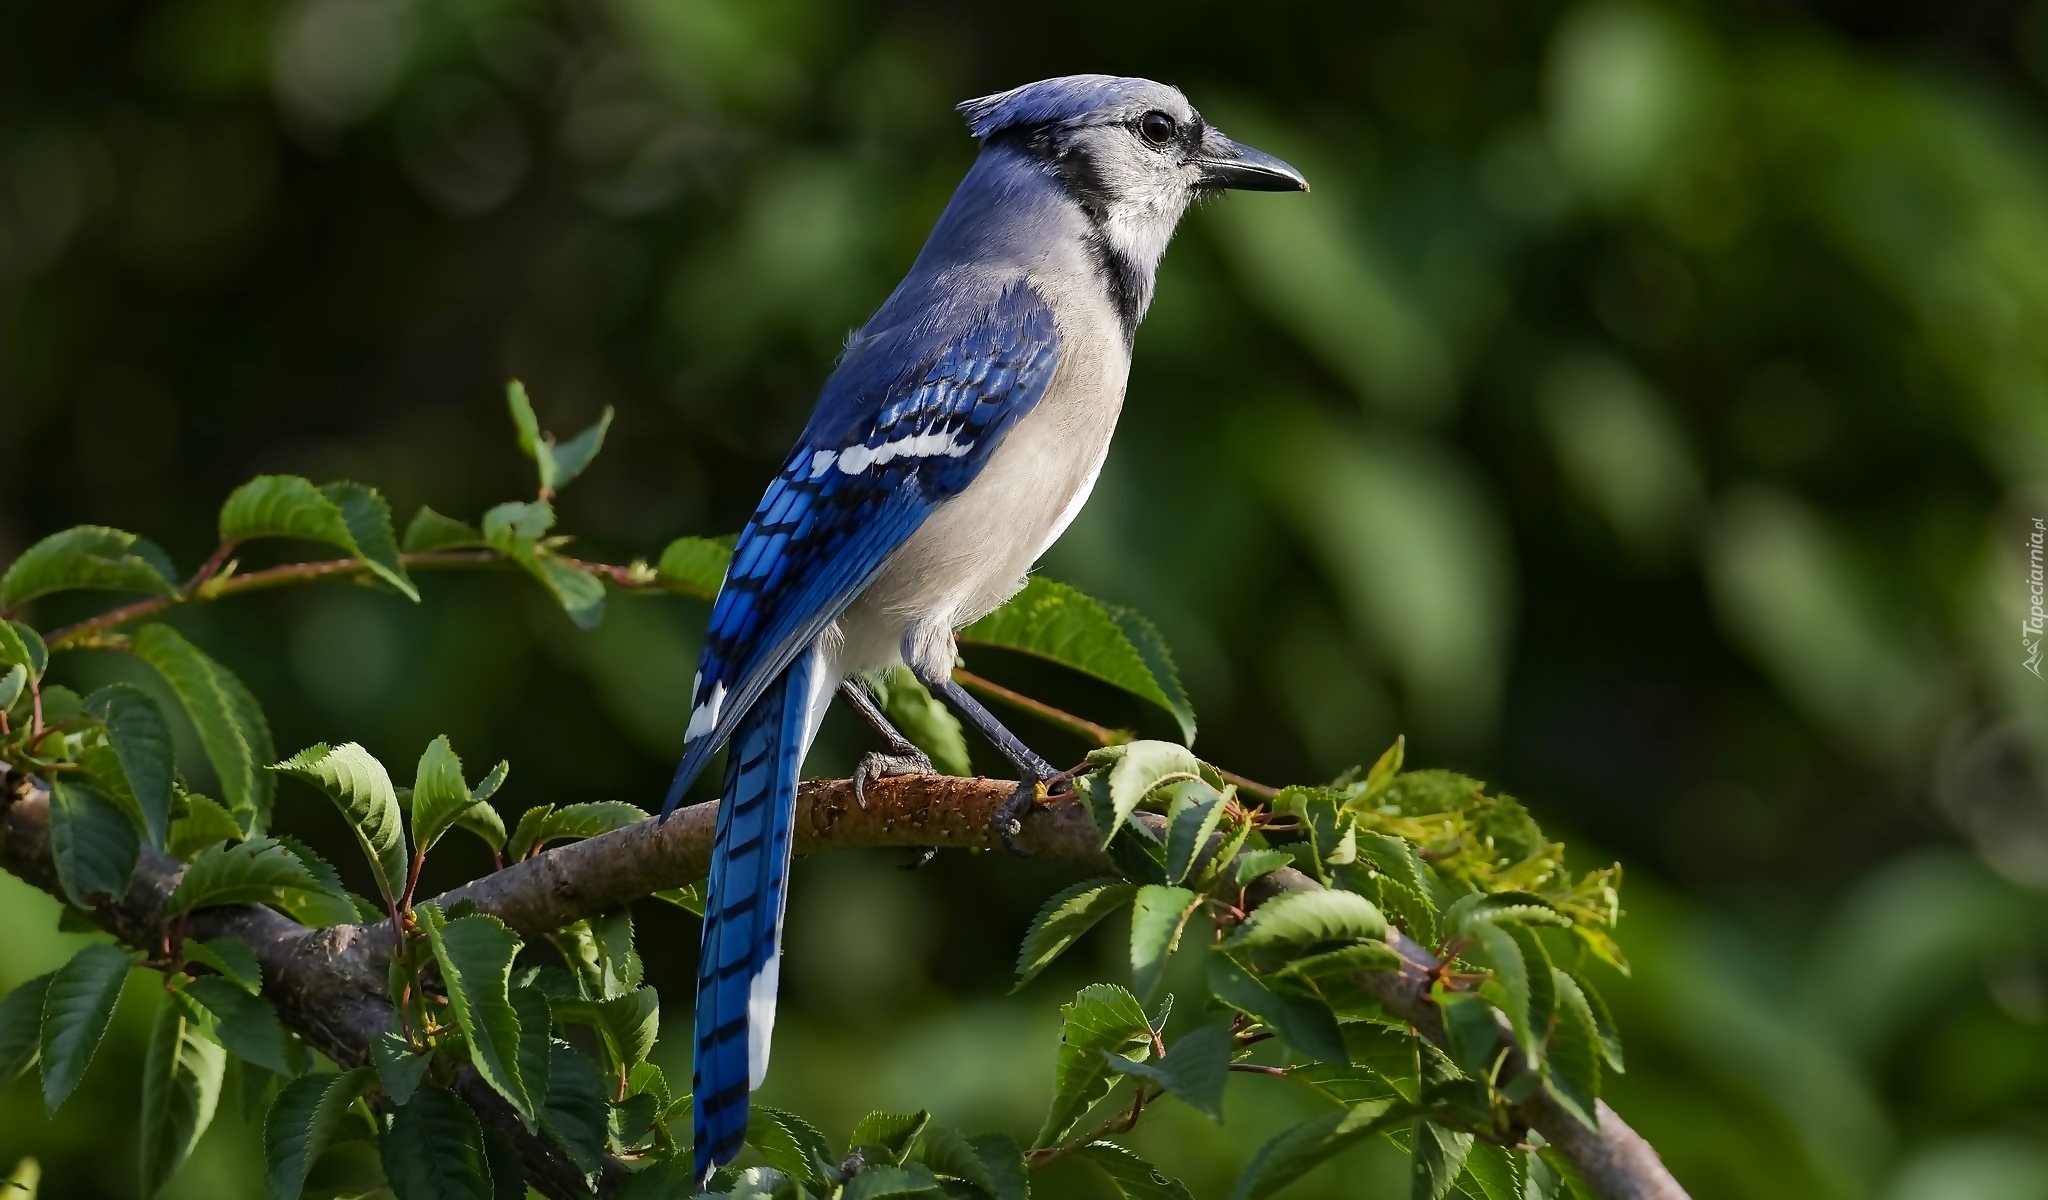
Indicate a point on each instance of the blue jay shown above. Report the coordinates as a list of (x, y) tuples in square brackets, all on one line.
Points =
[(959, 435)]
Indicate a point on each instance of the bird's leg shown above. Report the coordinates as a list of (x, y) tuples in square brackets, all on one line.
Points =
[(1034, 771), (902, 757)]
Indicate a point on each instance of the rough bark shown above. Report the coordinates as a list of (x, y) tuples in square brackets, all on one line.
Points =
[(329, 984)]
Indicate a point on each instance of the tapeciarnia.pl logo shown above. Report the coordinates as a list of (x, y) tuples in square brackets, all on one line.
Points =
[(2036, 621)]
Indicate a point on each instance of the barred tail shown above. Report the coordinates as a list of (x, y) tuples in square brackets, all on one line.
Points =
[(742, 951)]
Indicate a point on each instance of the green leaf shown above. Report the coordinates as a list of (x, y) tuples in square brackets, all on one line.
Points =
[(1157, 919), (227, 717), (1056, 622), (517, 523), (1005, 1162), (1572, 1057), (1194, 1069), (1603, 1021), (1190, 823), (1142, 767), (283, 506), (921, 717), (1293, 922), (572, 456), (580, 593), (575, 1112), (303, 1122), (258, 871), (21, 1023), (887, 1179), (228, 959), (1146, 639), (368, 519), (1102, 1018), (1255, 864), (483, 821), (1508, 985), (488, 786), (439, 795), (1500, 908), (1313, 1142), (1384, 769), (950, 1156), (13, 681), (1494, 1171), (1437, 1160), (198, 822), (1064, 918), (93, 842), (475, 955), (87, 557), (141, 738), (631, 1023), (434, 1150), (536, 1034), (76, 1009), (328, 904), (360, 787), (1470, 1025), (695, 566), (430, 531), (181, 1077), (523, 841), (618, 964), (1333, 964), (1301, 1017), (246, 1025), (791, 1144), (22, 646), (526, 427), (1131, 1176), (399, 1070), (574, 821), (892, 1132)]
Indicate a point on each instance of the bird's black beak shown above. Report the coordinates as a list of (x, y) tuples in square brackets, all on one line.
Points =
[(1225, 164)]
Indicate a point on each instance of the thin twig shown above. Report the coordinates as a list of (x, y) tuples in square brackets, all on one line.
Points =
[(1101, 735)]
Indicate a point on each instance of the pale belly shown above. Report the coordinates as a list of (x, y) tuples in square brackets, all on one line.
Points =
[(974, 551)]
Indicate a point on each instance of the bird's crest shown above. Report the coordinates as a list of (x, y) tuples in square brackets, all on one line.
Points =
[(1068, 98)]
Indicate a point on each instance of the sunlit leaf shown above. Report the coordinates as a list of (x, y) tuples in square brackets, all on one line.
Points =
[(1190, 822), (1056, 622), (1140, 768), (439, 794), (887, 1179), (1157, 918), (399, 1070), (198, 822), (1102, 1018), (1436, 1160), (360, 787), (789, 1143), (1572, 1056), (893, 1132), (1254, 864), (1296, 921), (572, 456), (368, 518), (923, 718), (695, 566), (429, 531), (86, 557), (574, 821)]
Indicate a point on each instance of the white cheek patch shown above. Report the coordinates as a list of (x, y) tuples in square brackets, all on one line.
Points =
[(936, 444), (704, 717)]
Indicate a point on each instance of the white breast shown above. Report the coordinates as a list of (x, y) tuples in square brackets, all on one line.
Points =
[(973, 551)]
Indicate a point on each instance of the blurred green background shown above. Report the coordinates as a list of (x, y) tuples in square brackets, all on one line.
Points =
[(1646, 413)]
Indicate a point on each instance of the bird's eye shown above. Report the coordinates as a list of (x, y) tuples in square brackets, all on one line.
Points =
[(1156, 128)]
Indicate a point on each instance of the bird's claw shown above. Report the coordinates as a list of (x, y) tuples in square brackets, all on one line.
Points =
[(903, 760), (1009, 819)]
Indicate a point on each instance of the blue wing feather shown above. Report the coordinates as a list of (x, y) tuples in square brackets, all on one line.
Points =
[(903, 425)]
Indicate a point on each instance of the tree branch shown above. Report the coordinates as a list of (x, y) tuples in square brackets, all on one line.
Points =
[(329, 984)]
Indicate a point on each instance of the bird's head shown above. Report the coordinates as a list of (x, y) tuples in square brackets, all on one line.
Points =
[(1133, 153)]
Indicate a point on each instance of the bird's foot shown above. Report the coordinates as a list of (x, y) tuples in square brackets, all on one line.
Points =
[(905, 759), (1009, 819)]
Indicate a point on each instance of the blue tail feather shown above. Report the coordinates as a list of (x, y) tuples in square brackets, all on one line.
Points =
[(741, 956)]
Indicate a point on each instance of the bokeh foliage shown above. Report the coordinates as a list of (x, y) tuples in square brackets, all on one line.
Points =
[(1644, 411)]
